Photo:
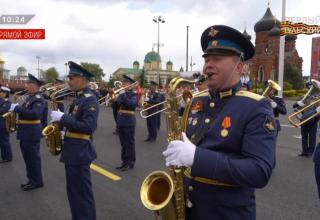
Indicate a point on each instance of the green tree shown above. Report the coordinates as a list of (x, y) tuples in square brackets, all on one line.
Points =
[(142, 79), (51, 74), (95, 69), (293, 76)]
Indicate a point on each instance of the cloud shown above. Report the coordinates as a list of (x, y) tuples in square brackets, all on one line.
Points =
[(114, 33)]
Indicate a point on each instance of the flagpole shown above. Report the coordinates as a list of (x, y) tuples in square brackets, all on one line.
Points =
[(281, 51)]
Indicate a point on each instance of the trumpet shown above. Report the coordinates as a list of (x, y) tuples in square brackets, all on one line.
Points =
[(119, 88), (312, 94)]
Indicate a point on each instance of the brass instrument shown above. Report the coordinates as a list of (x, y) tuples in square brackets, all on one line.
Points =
[(119, 88), (161, 191), (45, 87), (271, 88), (93, 86), (11, 117), (52, 131), (147, 107), (312, 94)]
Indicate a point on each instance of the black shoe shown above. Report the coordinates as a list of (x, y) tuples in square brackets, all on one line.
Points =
[(127, 167), (115, 133), (30, 186), (24, 184), (120, 167), (147, 140), (5, 161), (303, 154)]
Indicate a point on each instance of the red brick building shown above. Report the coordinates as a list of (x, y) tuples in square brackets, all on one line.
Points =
[(264, 65), (315, 59)]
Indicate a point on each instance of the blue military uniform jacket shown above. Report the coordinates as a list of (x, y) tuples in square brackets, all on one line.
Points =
[(34, 108), (235, 135), (128, 102), (82, 119), (4, 108), (154, 98)]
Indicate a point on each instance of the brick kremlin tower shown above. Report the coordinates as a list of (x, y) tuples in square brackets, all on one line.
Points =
[(264, 65)]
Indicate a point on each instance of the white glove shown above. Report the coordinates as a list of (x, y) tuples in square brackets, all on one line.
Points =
[(273, 104), (62, 133), (12, 106), (318, 109), (146, 99), (180, 153), (56, 115), (300, 103), (121, 91)]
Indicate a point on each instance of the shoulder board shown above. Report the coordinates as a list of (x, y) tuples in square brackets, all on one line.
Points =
[(87, 95), (250, 95), (38, 96), (202, 94)]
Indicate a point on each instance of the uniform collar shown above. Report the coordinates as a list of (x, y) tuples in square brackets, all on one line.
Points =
[(226, 92), (82, 91)]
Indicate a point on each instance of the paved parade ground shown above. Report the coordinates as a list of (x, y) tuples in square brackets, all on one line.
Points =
[(291, 193)]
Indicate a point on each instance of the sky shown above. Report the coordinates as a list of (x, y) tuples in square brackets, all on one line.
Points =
[(114, 33)]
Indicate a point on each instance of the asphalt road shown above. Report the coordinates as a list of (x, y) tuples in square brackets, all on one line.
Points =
[(291, 193)]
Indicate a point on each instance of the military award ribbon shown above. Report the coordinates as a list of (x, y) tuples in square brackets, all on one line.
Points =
[(226, 123)]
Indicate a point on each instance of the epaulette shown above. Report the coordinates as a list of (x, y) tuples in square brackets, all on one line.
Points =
[(250, 95), (202, 94), (38, 96), (87, 95)]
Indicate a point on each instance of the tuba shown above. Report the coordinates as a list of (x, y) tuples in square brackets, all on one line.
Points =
[(163, 192), (52, 131), (11, 117), (271, 89)]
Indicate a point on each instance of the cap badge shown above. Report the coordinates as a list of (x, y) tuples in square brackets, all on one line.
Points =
[(213, 32)]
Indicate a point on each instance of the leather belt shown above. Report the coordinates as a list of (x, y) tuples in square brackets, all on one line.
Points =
[(127, 112), (78, 135), (30, 122), (187, 173)]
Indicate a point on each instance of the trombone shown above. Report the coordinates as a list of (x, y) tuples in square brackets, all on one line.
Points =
[(119, 88), (312, 94), (294, 117), (144, 111)]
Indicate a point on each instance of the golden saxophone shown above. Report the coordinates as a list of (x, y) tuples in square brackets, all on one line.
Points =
[(163, 192), (11, 117), (52, 131)]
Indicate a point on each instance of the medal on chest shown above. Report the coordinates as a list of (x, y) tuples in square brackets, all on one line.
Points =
[(226, 123), (197, 107)]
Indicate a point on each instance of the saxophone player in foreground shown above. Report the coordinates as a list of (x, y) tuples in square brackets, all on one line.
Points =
[(78, 151), (229, 144), (32, 118)]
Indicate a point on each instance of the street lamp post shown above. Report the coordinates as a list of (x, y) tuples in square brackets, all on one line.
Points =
[(158, 20), (192, 64), (38, 58), (66, 64)]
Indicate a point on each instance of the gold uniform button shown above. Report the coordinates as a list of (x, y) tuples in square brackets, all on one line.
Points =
[(207, 120), (211, 104), (190, 188)]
